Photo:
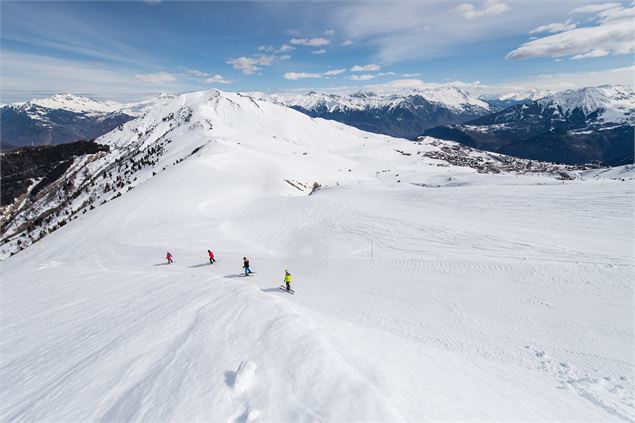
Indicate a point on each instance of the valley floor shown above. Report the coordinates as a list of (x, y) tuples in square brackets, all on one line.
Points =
[(459, 303)]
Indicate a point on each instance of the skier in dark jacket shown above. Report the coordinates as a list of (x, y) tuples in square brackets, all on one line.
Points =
[(212, 260), (168, 256), (246, 266)]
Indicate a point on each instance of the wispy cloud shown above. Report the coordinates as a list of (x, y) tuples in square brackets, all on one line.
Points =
[(217, 79), (362, 77), (293, 76), (196, 72), (42, 28), (320, 51), (590, 54), (329, 32), (613, 33), (251, 65), (488, 8), (347, 43), (156, 78), (285, 48), (305, 75), (554, 27), (365, 68), (545, 82), (595, 8), (312, 42), (334, 72), (22, 79), (266, 48)]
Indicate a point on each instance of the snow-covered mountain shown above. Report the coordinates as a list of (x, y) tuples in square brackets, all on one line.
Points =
[(401, 115), (139, 149), (58, 119), (73, 103), (593, 124), (433, 282), (611, 103), (66, 118)]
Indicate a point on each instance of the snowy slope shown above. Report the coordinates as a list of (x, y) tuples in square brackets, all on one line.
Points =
[(488, 297)]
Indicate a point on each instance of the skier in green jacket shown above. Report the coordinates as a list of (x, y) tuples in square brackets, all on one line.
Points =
[(287, 280)]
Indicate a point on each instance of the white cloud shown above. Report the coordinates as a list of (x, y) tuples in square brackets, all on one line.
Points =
[(301, 75), (564, 81), (365, 68), (408, 30), (334, 72), (386, 74), (549, 82), (347, 43), (612, 34), (590, 54), (411, 75), (554, 27), (22, 79), (156, 78), (329, 32), (595, 8), (285, 48), (320, 51), (489, 8), (265, 48), (312, 42), (195, 72), (251, 65), (217, 79), (362, 77), (304, 75)]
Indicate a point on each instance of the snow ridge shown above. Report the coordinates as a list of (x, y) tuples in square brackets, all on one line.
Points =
[(614, 103)]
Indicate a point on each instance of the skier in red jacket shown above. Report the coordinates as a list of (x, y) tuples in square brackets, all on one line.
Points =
[(168, 256), (212, 260)]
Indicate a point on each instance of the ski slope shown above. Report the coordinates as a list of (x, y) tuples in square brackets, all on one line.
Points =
[(488, 297)]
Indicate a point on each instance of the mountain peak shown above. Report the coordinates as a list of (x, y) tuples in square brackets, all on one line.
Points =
[(73, 103), (617, 102), (363, 94)]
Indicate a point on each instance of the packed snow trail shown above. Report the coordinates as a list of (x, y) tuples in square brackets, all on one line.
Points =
[(491, 297)]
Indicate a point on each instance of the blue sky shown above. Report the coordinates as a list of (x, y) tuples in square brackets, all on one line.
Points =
[(131, 50)]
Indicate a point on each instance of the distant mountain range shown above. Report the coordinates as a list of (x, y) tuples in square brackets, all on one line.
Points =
[(399, 115), (63, 118), (593, 124)]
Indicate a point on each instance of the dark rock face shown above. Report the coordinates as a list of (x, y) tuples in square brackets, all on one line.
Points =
[(23, 166), (31, 125), (546, 132)]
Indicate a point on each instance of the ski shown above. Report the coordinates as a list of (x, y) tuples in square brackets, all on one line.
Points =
[(284, 288)]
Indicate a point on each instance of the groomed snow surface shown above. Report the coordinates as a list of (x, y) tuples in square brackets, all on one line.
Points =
[(486, 298)]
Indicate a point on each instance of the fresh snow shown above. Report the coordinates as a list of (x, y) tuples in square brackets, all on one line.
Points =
[(488, 297)]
